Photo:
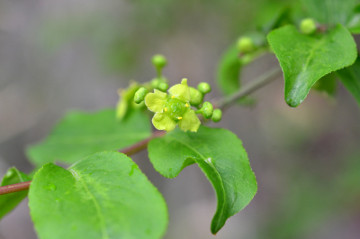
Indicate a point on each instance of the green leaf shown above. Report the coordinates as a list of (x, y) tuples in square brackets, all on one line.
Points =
[(326, 84), (228, 74), (222, 158), (350, 77), (80, 134), (330, 11), (9, 201), (354, 23), (305, 59), (103, 196), (273, 15), (229, 71)]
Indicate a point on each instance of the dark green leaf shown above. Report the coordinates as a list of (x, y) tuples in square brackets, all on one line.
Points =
[(350, 77), (80, 134), (305, 59), (103, 196), (222, 158), (330, 11), (326, 84), (9, 201)]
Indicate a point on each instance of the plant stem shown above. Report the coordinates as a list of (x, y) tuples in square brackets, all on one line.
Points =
[(222, 104), (14, 187), (248, 89), (133, 149)]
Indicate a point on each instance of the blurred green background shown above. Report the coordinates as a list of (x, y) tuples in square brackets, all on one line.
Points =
[(75, 54)]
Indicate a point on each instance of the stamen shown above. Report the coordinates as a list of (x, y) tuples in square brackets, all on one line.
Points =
[(172, 97), (165, 109), (187, 105), (179, 118)]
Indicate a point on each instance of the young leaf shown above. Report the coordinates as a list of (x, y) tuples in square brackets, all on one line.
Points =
[(350, 77), (103, 196), (222, 158), (80, 134), (305, 59), (326, 84), (228, 75), (330, 12), (9, 201)]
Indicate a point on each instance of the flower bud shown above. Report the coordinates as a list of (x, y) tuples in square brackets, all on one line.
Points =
[(308, 26), (163, 86), (159, 61), (140, 95), (207, 109), (196, 97), (246, 45), (216, 116), (204, 87)]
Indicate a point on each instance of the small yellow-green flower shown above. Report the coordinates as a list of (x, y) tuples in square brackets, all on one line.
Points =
[(173, 108)]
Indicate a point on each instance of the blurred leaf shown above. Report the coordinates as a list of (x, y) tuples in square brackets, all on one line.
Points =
[(9, 201), (330, 11), (350, 77), (354, 23), (273, 15), (103, 196), (126, 101), (80, 134), (305, 59), (222, 158), (228, 74), (326, 84)]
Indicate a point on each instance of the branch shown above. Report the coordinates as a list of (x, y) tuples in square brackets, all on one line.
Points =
[(133, 149), (15, 187), (222, 104), (248, 88)]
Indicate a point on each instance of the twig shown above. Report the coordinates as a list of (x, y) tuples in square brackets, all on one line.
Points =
[(133, 149), (248, 89), (14, 187), (222, 104)]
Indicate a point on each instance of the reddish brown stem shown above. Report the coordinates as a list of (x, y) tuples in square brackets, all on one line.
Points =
[(133, 149), (14, 187)]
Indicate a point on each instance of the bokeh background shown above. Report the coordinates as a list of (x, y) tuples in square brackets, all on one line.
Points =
[(74, 54)]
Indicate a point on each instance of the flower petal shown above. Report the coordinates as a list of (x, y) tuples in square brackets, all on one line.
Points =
[(162, 121), (181, 91), (189, 122), (156, 101)]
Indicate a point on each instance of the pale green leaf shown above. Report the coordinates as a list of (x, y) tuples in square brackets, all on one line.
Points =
[(305, 59), (222, 158), (9, 201), (103, 196), (80, 134), (350, 77)]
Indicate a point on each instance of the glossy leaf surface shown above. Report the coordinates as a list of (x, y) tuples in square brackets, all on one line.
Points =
[(103, 196), (305, 59), (222, 158)]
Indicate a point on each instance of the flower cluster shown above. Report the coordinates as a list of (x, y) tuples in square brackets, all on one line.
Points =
[(171, 108), (175, 107)]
